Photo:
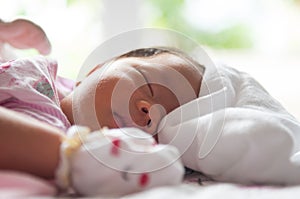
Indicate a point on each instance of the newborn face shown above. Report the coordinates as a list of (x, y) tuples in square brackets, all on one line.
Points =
[(138, 92)]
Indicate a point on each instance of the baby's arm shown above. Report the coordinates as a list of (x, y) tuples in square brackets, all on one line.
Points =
[(116, 162), (28, 145)]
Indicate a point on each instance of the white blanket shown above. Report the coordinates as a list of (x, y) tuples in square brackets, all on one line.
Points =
[(207, 189), (235, 132), (221, 190)]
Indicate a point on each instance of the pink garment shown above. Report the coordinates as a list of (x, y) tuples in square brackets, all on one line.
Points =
[(20, 185), (29, 86)]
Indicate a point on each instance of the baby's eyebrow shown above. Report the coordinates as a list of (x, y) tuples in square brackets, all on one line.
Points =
[(148, 84), (95, 68)]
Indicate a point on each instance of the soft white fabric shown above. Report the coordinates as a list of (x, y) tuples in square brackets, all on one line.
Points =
[(235, 131), (116, 162), (220, 190)]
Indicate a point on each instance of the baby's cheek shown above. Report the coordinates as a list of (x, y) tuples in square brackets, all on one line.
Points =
[(106, 120)]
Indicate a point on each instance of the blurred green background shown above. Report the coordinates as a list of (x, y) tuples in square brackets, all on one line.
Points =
[(260, 37), (76, 27), (174, 14)]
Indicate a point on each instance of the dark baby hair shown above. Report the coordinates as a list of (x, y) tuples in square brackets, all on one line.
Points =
[(152, 51)]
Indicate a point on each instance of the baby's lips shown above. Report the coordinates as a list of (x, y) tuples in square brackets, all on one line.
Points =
[(155, 136)]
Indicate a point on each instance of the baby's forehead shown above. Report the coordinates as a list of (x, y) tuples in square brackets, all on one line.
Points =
[(152, 65), (117, 66), (167, 59)]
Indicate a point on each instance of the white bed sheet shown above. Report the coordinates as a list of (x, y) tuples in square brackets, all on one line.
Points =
[(211, 190)]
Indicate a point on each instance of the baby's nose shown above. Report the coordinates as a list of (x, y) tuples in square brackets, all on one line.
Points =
[(145, 107), (152, 115), (156, 113)]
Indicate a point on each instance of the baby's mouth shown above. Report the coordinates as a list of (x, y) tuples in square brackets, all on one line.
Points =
[(155, 136)]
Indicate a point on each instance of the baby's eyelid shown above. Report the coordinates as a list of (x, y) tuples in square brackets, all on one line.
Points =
[(148, 84), (150, 87)]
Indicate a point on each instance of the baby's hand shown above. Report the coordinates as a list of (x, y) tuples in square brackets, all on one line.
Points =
[(116, 162), (23, 34)]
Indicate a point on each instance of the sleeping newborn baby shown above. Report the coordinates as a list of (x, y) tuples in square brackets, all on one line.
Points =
[(109, 162), (221, 120), (106, 162)]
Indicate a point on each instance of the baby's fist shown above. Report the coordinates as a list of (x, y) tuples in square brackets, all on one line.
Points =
[(115, 162)]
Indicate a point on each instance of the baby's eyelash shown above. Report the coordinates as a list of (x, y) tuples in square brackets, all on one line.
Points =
[(150, 88), (148, 84)]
